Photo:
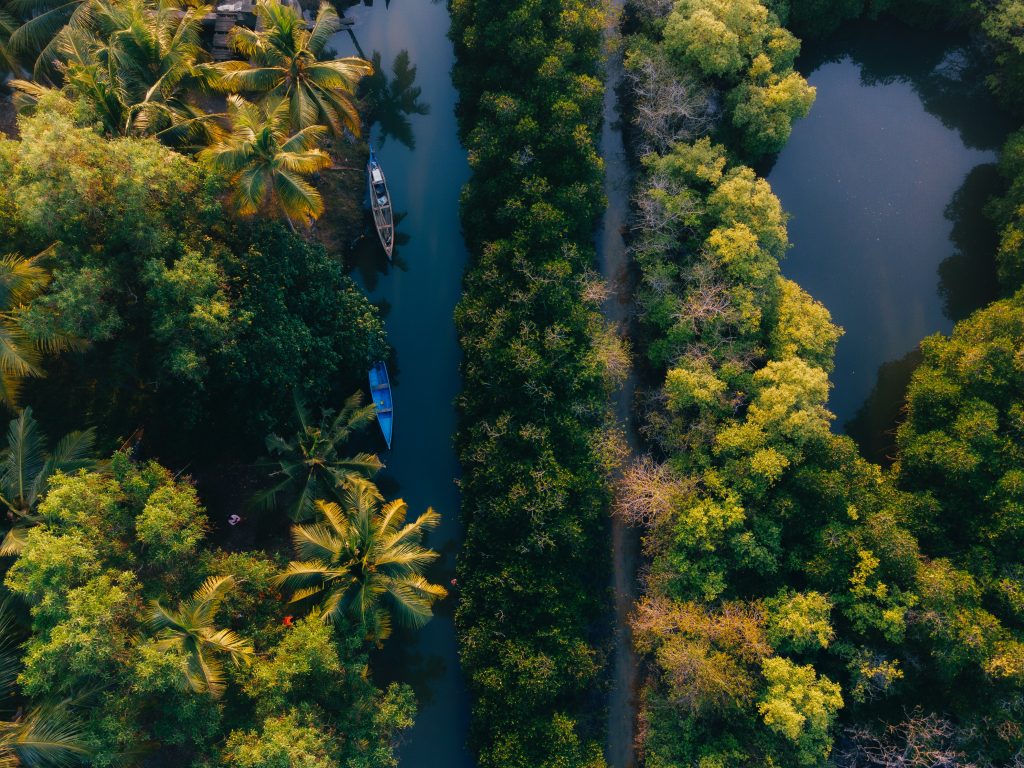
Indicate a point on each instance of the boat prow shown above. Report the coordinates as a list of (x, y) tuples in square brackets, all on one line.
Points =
[(380, 203), (380, 391)]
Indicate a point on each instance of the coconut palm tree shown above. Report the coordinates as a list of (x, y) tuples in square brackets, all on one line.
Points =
[(285, 63), (267, 163), (313, 465), (364, 562), (8, 59), (190, 630), (26, 468), (46, 736), (137, 64), (35, 38), (21, 281)]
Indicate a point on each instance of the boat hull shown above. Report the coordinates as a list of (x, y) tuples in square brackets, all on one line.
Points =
[(383, 403), (383, 214)]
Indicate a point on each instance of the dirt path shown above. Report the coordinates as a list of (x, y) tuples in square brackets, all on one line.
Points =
[(619, 750)]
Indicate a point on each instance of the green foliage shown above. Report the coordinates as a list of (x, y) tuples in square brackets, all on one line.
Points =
[(800, 706), (189, 327), (153, 654), (287, 64), (722, 38), (962, 439), (533, 488), (171, 525), (766, 107), (286, 741), (364, 562), (798, 622), (785, 555), (741, 48)]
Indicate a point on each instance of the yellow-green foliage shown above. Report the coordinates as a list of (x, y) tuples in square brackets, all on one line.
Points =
[(901, 584), (741, 46)]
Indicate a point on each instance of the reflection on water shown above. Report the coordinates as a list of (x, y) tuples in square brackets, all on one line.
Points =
[(944, 70), (367, 258), (886, 182), (417, 294), (391, 101), (874, 426), (967, 279)]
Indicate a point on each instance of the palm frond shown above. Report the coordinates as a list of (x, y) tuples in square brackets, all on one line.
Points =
[(227, 641), (164, 619), (359, 556), (315, 543), (325, 25), (47, 736), (14, 541), (205, 674), (25, 456)]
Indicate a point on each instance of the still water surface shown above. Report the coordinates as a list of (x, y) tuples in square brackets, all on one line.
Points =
[(886, 181), (418, 294)]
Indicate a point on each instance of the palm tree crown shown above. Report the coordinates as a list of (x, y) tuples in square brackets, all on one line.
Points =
[(136, 64), (285, 63), (26, 468), (190, 630), (267, 164), (36, 27), (312, 465), (365, 562), (22, 280)]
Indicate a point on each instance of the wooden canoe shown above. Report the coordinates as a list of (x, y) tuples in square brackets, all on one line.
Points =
[(380, 203)]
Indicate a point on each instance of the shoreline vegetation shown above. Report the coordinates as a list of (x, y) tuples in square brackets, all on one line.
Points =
[(802, 606), (171, 595), (533, 412)]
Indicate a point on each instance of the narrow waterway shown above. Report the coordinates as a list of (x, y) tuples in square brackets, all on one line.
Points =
[(618, 310), (886, 181), (426, 168)]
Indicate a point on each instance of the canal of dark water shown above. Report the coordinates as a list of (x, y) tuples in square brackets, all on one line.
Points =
[(416, 139)]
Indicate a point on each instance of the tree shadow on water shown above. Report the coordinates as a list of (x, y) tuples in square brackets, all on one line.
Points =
[(398, 662), (968, 279), (874, 426), (391, 101), (945, 69), (367, 255)]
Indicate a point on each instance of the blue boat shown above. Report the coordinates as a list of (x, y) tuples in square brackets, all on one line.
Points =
[(380, 391)]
